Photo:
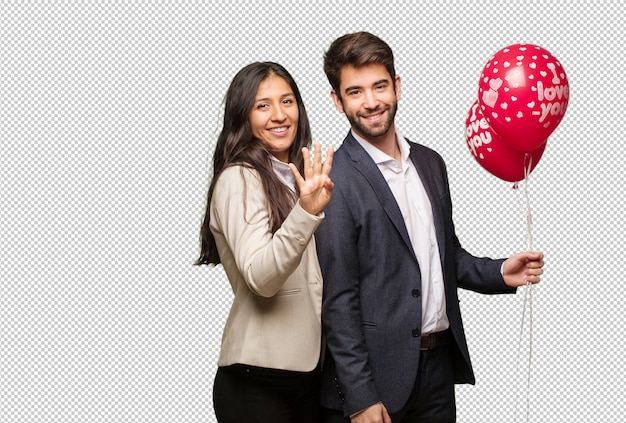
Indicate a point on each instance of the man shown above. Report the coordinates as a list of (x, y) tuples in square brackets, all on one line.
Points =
[(390, 259)]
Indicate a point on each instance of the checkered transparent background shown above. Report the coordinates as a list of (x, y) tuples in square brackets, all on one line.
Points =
[(108, 116)]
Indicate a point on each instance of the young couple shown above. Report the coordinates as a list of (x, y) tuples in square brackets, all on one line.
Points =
[(344, 271)]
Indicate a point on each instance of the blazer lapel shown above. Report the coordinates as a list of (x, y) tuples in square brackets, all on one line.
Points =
[(368, 168)]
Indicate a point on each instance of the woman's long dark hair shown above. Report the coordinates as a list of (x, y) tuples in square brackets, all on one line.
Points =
[(236, 145)]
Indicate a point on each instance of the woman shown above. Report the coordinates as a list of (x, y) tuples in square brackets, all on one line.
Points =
[(259, 223)]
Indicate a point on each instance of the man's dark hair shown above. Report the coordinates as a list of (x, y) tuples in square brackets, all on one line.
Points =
[(356, 49)]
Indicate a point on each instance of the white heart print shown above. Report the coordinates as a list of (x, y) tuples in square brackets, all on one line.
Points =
[(495, 84)]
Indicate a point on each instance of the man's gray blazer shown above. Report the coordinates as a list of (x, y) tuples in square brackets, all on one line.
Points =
[(371, 309)]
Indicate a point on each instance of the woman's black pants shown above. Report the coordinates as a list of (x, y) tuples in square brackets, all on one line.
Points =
[(250, 394)]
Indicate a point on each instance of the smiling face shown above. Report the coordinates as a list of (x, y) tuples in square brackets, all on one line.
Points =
[(369, 98), (274, 116)]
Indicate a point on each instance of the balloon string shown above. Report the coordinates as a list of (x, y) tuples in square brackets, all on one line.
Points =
[(529, 218), (528, 298)]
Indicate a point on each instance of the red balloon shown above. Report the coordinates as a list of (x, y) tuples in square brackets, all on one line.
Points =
[(523, 92), (493, 153)]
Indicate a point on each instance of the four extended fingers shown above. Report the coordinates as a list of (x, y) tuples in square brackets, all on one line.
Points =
[(315, 167)]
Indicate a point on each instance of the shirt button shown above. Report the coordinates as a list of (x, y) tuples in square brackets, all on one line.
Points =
[(416, 332), (415, 293)]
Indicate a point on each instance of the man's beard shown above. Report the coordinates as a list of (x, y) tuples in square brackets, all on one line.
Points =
[(376, 131)]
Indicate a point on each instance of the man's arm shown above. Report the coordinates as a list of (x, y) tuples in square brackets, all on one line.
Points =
[(337, 248)]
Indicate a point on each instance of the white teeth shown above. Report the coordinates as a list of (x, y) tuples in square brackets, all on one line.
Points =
[(283, 129), (373, 117)]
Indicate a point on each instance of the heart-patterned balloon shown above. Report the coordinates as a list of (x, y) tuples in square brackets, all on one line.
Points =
[(495, 155), (523, 92)]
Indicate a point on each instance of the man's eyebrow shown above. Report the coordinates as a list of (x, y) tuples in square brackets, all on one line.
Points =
[(353, 87)]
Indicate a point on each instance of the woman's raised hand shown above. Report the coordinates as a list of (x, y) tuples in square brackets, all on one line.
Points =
[(316, 188)]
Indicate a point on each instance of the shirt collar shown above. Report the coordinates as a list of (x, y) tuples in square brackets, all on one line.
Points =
[(283, 171), (378, 156)]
